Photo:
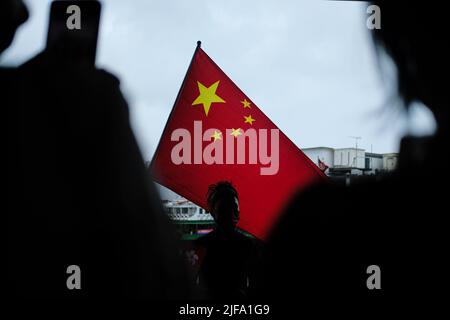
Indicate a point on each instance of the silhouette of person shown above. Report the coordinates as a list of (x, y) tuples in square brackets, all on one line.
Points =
[(329, 236), (229, 266), (12, 13), (78, 192)]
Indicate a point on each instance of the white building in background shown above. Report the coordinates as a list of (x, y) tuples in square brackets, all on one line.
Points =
[(184, 210), (390, 161), (349, 158), (342, 161), (374, 161), (190, 220)]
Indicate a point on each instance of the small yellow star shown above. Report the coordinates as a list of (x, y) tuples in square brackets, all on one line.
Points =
[(249, 119), (207, 96), (235, 132), (217, 135), (246, 103)]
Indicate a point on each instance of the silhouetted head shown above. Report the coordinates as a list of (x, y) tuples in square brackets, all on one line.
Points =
[(12, 14), (223, 204), (415, 35)]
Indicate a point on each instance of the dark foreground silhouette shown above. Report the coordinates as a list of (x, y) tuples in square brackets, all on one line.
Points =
[(330, 235), (229, 270), (78, 192)]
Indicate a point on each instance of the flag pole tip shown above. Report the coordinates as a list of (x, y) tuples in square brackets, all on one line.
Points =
[(199, 43)]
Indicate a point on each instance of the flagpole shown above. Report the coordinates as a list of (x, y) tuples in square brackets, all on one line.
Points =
[(199, 43)]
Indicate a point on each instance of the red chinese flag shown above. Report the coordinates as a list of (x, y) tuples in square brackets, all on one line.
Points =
[(214, 133)]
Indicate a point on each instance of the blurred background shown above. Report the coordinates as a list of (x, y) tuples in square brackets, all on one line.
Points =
[(309, 65)]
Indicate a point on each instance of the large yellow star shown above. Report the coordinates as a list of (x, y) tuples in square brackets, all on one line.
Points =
[(235, 132), (249, 119), (246, 103), (207, 96), (217, 135)]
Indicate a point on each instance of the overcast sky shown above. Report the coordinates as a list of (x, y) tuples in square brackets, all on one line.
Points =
[(309, 65)]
